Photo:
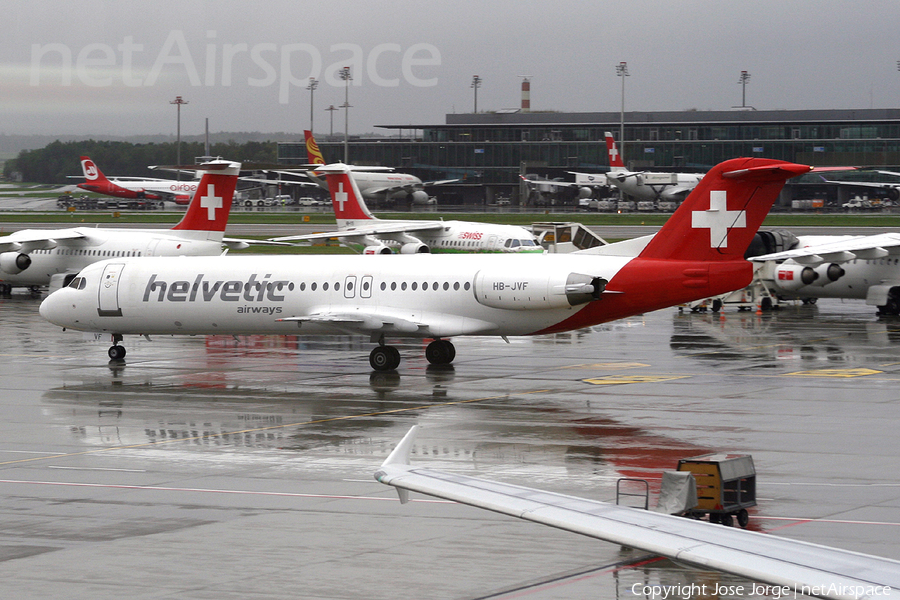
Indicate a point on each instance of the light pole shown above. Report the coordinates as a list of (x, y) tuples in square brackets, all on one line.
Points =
[(742, 81), (476, 83), (331, 108), (313, 84), (622, 71), (178, 101), (345, 75)]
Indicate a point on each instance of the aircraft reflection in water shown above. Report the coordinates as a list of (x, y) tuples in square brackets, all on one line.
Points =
[(804, 333), (316, 421)]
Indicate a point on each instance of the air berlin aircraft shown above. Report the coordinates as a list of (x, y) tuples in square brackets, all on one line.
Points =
[(698, 253)]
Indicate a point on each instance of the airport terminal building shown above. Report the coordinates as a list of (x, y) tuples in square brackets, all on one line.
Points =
[(489, 150)]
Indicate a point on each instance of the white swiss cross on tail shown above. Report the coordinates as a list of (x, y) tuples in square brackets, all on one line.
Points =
[(613, 154), (211, 202), (340, 196), (718, 219)]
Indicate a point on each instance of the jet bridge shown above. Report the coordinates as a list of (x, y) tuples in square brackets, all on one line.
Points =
[(559, 237)]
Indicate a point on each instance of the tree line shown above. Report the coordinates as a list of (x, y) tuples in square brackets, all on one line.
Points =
[(56, 161)]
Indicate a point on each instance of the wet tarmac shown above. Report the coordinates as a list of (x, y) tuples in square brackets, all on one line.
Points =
[(213, 467)]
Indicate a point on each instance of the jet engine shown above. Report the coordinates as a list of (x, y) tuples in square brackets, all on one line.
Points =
[(378, 249), (14, 262), (419, 197), (414, 248), (585, 192), (828, 273), (792, 277), (521, 289)]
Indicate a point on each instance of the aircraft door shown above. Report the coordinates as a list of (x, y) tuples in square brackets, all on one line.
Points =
[(365, 290), (108, 299), (350, 286), (492, 242)]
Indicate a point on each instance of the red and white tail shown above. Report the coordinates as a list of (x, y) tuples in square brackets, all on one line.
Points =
[(719, 218), (91, 171), (615, 159), (699, 252), (313, 154), (211, 205), (349, 207)]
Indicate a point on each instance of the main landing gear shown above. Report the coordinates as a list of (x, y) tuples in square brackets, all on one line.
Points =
[(116, 352), (387, 358)]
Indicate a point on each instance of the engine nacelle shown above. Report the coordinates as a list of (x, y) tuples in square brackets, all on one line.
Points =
[(371, 250), (530, 289), (585, 192), (794, 277), (14, 262), (420, 197), (414, 248), (828, 273)]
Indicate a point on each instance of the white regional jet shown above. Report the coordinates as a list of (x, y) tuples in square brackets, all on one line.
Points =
[(36, 257), (697, 254), (793, 567), (861, 267), (643, 185), (359, 227)]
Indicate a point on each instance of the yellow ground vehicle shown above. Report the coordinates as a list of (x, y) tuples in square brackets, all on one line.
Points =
[(726, 486)]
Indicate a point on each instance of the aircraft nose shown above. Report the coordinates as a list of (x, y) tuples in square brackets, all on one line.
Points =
[(53, 308)]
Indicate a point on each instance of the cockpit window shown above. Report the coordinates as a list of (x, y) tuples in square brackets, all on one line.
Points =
[(528, 242), (79, 283)]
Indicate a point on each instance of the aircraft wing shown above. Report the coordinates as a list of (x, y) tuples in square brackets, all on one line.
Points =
[(280, 182), (816, 570), (847, 248), (374, 322), (240, 244), (367, 230), (440, 182), (38, 239), (677, 192)]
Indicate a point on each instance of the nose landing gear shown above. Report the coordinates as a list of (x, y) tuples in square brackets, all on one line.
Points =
[(116, 352)]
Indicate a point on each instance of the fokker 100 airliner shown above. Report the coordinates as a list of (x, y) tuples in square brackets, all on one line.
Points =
[(698, 253)]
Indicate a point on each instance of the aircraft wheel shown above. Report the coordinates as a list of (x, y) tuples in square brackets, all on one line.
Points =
[(384, 358), (116, 352), (716, 305), (743, 518), (440, 352)]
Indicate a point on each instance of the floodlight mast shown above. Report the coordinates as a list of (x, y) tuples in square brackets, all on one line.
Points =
[(178, 102), (622, 71), (476, 83), (313, 84), (345, 75)]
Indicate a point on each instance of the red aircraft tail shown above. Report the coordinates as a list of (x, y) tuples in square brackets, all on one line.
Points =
[(209, 209), (91, 171), (616, 163), (347, 200), (699, 252)]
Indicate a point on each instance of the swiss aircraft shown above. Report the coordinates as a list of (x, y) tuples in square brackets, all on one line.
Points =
[(793, 567), (179, 192), (37, 257), (698, 253), (358, 227), (643, 185), (861, 267)]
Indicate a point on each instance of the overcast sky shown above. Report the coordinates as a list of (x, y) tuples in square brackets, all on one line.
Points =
[(111, 68)]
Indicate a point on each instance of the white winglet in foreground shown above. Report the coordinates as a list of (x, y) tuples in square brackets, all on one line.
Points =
[(811, 569)]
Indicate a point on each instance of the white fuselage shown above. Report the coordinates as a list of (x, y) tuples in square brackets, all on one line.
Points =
[(416, 295), (100, 244)]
